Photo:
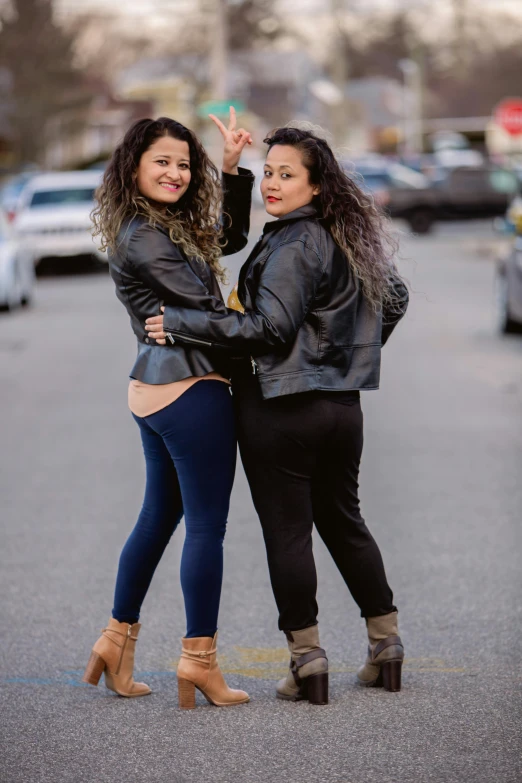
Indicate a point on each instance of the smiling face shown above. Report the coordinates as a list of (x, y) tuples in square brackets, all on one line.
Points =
[(163, 174), (286, 183)]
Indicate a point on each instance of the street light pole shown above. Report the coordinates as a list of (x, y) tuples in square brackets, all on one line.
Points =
[(219, 51), (412, 106), (460, 45)]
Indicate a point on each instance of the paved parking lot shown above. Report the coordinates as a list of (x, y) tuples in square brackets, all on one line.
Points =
[(441, 491)]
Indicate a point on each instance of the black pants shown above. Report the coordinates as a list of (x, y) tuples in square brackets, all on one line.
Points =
[(301, 455)]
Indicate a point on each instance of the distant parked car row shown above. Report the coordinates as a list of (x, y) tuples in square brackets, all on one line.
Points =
[(399, 190), (465, 192), (53, 215), (16, 270), (48, 215), (10, 193), (43, 215)]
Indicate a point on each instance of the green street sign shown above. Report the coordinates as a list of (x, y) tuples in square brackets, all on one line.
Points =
[(219, 108)]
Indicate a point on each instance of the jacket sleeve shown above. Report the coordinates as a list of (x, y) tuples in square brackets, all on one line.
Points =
[(237, 203), (159, 264), (393, 314), (281, 303)]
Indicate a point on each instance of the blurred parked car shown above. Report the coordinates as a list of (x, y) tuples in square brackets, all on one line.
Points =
[(509, 274), (399, 190), (517, 169), (16, 270), (469, 192), (53, 215), (10, 193)]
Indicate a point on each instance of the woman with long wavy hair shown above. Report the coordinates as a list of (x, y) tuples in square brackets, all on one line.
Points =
[(159, 217), (317, 299)]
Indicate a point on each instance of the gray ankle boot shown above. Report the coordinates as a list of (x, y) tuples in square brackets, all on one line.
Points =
[(308, 674), (385, 654)]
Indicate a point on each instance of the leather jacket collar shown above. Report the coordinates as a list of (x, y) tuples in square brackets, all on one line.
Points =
[(308, 211)]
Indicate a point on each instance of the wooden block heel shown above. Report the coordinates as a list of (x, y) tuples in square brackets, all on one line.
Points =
[(391, 676), (94, 669), (383, 665), (317, 688), (186, 694)]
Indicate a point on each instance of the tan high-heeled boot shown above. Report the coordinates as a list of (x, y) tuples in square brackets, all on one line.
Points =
[(308, 674), (113, 654), (385, 654), (198, 668)]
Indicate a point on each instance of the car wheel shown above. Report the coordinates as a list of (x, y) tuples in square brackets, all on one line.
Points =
[(506, 324), (420, 221)]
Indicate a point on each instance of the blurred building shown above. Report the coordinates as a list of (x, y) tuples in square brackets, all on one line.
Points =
[(273, 88), (172, 85), (382, 103), (89, 126), (276, 86)]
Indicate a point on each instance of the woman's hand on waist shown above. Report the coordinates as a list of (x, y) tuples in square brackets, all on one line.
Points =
[(154, 328)]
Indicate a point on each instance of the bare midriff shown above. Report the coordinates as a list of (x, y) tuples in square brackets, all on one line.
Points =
[(147, 398)]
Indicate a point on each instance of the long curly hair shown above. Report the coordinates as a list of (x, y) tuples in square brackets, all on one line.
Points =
[(350, 215), (193, 222)]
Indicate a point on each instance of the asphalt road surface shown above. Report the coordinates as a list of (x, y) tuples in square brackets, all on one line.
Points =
[(441, 491)]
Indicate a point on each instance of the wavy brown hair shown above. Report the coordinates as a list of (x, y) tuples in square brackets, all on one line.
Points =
[(193, 222), (350, 215)]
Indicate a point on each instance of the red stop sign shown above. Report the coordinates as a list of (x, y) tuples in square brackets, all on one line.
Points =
[(508, 115)]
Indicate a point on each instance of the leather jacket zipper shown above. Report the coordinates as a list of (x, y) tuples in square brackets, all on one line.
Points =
[(194, 340), (254, 365)]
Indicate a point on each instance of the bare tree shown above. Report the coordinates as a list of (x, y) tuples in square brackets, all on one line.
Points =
[(466, 71), (103, 45), (253, 23), (393, 39), (38, 55)]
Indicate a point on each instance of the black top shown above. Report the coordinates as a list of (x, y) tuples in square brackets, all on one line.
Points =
[(306, 322), (149, 271)]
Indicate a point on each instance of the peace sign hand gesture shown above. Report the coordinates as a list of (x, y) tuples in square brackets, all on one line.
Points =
[(235, 141)]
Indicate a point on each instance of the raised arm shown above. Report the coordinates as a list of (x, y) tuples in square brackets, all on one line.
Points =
[(237, 184), (237, 203), (280, 306)]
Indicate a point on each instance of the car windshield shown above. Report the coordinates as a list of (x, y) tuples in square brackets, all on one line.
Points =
[(44, 198), (13, 188), (394, 174), (406, 177), (374, 182)]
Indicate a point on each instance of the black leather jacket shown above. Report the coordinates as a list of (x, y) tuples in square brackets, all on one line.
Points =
[(306, 322), (149, 271)]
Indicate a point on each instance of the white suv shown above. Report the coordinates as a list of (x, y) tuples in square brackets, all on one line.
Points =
[(53, 215)]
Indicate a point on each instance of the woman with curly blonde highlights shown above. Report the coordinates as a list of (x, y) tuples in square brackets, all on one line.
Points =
[(317, 299), (166, 219)]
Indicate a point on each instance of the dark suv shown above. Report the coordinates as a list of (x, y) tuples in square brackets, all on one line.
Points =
[(468, 192), (460, 193), (399, 190)]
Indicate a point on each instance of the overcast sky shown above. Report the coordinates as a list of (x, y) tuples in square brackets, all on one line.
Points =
[(161, 7)]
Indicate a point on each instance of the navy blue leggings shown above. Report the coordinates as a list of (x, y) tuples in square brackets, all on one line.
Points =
[(190, 454)]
